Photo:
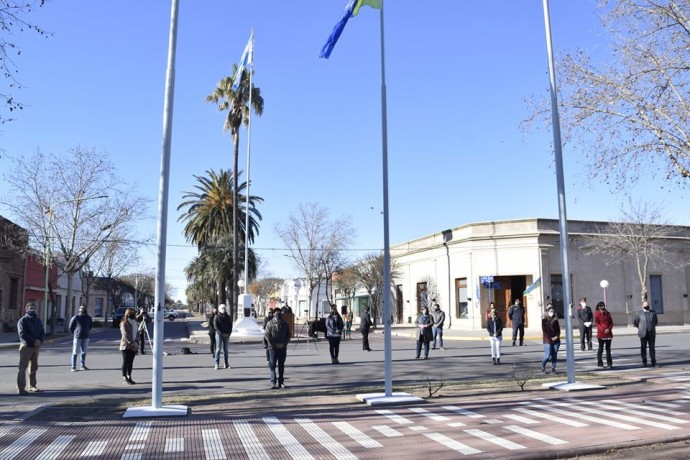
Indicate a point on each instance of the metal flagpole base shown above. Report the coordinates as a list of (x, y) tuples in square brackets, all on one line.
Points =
[(576, 386), (164, 411), (380, 399)]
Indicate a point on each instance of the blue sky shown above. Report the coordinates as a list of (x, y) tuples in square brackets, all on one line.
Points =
[(457, 74)]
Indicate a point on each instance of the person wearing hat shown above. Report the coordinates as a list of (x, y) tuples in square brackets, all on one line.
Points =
[(223, 326), (277, 336), (551, 332), (80, 327), (585, 317), (31, 335)]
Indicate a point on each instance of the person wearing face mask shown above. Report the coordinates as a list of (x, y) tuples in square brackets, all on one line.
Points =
[(424, 334), (31, 335), (80, 327), (585, 317), (646, 322), (129, 345), (223, 325), (604, 324), (551, 332), (494, 326)]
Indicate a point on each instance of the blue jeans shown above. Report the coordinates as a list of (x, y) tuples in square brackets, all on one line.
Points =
[(79, 345), (221, 342), (438, 332), (551, 352)]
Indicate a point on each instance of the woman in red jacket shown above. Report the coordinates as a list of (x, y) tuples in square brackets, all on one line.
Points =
[(604, 325)]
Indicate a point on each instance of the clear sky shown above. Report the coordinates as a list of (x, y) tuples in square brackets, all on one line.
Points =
[(457, 74)]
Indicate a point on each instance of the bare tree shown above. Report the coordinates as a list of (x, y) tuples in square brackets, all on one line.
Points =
[(630, 114), (638, 237), (13, 19), (312, 238), (431, 292), (73, 204), (347, 282), (369, 273), (263, 290)]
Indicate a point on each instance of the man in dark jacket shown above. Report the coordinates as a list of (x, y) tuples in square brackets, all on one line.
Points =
[(439, 317), (223, 327), (212, 331), (585, 318), (645, 322), (143, 318), (277, 336), (80, 327), (364, 326), (31, 335), (334, 331), (516, 314)]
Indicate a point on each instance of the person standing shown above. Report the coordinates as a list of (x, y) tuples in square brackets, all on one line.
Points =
[(212, 331), (143, 318), (348, 323), (439, 317), (223, 326), (551, 332), (585, 317), (364, 326), (604, 324), (31, 335), (129, 345), (277, 336), (334, 330), (516, 314), (267, 319), (646, 322), (495, 328), (80, 327), (424, 334)]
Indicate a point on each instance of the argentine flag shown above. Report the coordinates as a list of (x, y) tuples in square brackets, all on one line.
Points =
[(246, 61)]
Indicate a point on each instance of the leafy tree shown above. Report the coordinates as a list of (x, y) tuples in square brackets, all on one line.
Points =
[(236, 103), (638, 237), (263, 290), (630, 115)]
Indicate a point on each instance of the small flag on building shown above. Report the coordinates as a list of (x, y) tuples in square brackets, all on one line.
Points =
[(351, 10), (533, 286)]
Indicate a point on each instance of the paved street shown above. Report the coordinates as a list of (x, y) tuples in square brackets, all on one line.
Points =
[(480, 413)]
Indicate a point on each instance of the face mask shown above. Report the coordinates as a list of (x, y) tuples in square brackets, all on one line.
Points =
[(550, 314), (646, 307), (31, 313)]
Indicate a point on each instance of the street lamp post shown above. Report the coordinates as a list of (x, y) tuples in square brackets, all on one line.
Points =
[(604, 284), (298, 285)]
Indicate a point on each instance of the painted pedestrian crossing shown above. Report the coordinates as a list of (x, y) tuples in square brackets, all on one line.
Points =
[(455, 430)]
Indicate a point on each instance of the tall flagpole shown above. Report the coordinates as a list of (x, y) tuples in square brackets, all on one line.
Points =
[(562, 218), (386, 240), (249, 147), (157, 408)]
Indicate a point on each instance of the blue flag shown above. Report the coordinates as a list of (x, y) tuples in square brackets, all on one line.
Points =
[(351, 9), (246, 61), (533, 286)]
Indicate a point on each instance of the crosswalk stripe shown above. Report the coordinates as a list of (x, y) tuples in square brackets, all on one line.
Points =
[(252, 445), (452, 444), (354, 433), (646, 412), (431, 415), (662, 404), (641, 421), (213, 447), (510, 445), (395, 417), (55, 448), (333, 446), (520, 418), (4, 431), (456, 424), (461, 411), (553, 418), (94, 449), (387, 431), (293, 447), (535, 435), (20, 444), (551, 407), (131, 456), (173, 445), (141, 431)]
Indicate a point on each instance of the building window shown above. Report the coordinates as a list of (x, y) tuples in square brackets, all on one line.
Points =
[(98, 307), (656, 298), (14, 294), (461, 310)]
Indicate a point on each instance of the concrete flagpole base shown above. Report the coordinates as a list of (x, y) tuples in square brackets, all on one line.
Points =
[(380, 399), (247, 327), (576, 386), (164, 411)]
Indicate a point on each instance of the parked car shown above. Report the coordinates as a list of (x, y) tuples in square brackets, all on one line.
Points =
[(170, 314), (117, 316)]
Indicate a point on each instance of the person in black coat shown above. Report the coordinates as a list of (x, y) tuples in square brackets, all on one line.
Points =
[(585, 318), (212, 331), (223, 326), (364, 326), (334, 331), (424, 332), (143, 318), (494, 325), (516, 315)]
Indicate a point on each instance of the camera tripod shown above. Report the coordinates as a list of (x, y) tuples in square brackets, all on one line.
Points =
[(305, 324), (143, 327)]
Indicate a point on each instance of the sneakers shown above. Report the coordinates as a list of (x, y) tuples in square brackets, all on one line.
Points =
[(227, 367), (74, 369), (273, 386), (217, 367), (34, 389), (282, 385), (443, 349), (23, 392), (84, 368)]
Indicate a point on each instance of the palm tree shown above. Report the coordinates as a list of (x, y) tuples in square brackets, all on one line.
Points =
[(235, 102)]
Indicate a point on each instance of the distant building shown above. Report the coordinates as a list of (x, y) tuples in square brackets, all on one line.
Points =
[(466, 267), (12, 237)]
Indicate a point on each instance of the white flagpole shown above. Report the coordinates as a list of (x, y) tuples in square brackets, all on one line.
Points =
[(563, 220), (157, 409), (249, 144)]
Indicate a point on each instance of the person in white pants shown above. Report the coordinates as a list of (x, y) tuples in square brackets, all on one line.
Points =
[(494, 325)]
